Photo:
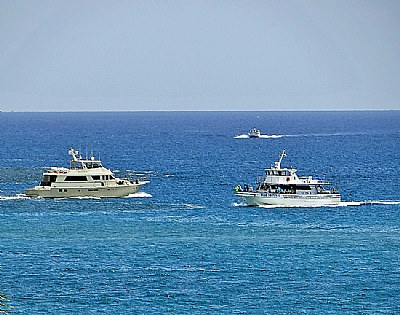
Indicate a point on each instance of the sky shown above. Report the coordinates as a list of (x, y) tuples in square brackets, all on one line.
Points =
[(58, 55)]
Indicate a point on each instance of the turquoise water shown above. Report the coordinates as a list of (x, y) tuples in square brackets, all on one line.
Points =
[(187, 245)]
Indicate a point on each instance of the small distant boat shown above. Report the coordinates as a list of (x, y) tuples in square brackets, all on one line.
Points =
[(282, 187), (254, 133), (84, 178)]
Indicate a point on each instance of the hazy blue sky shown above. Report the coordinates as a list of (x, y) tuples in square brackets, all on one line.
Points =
[(199, 55)]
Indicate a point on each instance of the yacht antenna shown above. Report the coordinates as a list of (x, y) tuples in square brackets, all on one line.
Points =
[(73, 153)]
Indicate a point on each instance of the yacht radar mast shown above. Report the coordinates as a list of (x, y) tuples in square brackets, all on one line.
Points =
[(73, 153)]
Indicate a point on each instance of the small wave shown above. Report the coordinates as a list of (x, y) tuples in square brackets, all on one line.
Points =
[(192, 206), (183, 205), (142, 173), (140, 194)]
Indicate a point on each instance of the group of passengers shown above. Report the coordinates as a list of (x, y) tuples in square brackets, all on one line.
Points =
[(267, 188), (246, 188)]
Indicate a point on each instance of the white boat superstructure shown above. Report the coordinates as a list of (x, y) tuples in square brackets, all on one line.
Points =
[(254, 133), (282, 187), (84, 178)]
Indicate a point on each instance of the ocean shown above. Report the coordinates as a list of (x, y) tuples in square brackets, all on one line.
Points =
[(186, 244)]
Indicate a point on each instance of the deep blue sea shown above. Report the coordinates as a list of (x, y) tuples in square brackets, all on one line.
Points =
[(187, 245)]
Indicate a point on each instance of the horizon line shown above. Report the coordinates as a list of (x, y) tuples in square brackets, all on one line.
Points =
[(197, 110)]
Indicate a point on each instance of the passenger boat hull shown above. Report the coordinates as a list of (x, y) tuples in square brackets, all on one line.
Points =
[(71, 192), (289, 200)]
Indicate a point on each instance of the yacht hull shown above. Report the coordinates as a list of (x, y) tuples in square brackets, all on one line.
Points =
[(289, 200), (73, 192)]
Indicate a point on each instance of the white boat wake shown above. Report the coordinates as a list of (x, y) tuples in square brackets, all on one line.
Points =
[(24, 197), (239, 204), (341, 204), (140, 194), (244, 136), (16, 197), (367, 202), (382, 202)]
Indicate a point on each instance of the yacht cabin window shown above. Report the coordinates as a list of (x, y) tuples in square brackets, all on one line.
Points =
[(48, 179), (75, 179), (107, 177)]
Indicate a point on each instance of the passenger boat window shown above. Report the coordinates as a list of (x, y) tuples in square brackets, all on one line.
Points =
[(96, 177)]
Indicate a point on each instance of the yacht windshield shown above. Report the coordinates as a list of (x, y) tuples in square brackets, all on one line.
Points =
[(93, 164)]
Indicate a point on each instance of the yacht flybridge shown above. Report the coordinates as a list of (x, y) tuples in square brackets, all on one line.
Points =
[(84, 178), (282, 187)]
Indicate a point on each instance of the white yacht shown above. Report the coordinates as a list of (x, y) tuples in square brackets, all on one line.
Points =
[(254, 133), (282, 187), (84, 178)]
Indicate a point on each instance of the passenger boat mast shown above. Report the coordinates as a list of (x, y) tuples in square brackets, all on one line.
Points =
[(278, 164)]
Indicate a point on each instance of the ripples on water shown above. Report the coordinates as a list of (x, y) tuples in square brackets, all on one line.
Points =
[(187, 245)]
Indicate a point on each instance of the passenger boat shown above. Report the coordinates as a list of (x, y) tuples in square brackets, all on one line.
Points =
[(84, 178), (282, 187), (254, 133)]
